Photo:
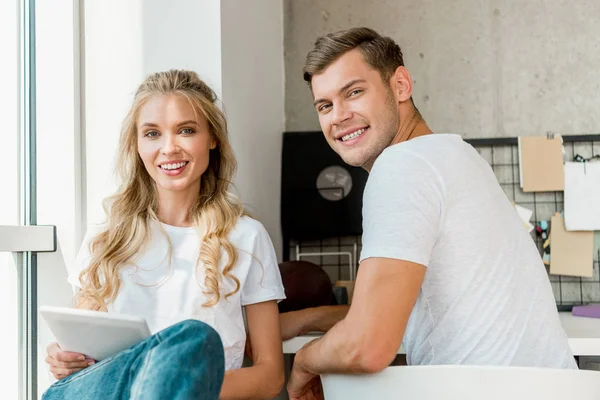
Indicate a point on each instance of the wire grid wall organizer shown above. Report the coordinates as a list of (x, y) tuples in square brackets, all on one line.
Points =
[(339, 256)]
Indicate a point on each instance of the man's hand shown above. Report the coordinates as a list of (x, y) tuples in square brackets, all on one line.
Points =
[(304, 385)]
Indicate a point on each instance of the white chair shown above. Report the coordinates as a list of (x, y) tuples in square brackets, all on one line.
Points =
[(454, 382)]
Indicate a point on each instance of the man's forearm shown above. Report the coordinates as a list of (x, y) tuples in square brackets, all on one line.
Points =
[(319, 319), (339, 351), (256, 382), (326, 317)]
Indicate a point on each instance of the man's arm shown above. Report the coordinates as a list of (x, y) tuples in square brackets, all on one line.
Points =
[(368, 339), (403, 206), (315, 319)]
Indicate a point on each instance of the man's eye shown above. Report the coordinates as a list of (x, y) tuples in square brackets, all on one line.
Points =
[(355, 92), (324, 107)]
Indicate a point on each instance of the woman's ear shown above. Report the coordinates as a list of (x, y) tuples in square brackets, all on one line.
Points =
[(213, 143)]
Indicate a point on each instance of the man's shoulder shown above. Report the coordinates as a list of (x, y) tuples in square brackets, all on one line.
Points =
[(433, 149), (428, 145)]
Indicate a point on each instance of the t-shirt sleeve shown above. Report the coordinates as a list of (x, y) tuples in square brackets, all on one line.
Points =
[(82, 261), (263, 282), (402, 208)]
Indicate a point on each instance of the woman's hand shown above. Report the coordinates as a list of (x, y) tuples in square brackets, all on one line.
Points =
[(64, 363)]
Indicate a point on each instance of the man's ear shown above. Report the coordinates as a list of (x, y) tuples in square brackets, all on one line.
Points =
[(401, 84)]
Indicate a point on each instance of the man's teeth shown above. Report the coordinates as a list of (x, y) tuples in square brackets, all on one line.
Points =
[(353, 135), (173, 166)]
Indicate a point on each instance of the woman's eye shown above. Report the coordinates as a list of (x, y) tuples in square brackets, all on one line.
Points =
[(187, 131), (151, 134)]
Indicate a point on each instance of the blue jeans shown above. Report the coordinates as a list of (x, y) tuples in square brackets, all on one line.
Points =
[(184, 361)]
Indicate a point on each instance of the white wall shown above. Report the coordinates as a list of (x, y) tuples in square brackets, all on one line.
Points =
[(253, 94), (184, 34), (112, 68)]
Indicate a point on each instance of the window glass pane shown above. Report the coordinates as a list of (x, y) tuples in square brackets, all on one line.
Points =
[(9, 200), (59, 164)]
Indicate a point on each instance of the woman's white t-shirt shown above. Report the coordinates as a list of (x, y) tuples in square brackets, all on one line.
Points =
[(166, 294)]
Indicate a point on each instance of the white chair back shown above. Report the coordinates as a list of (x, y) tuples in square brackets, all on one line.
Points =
[(459, 382)]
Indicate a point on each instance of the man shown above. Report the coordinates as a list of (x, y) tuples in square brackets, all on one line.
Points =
[(446, 266)]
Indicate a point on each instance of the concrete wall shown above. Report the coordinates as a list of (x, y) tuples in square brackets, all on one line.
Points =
[(481, 68)]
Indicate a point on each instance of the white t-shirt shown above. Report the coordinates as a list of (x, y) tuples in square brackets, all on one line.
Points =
[(486, 298), (180, 295)]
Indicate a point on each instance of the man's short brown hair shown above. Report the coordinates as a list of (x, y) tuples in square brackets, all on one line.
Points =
[(380, 52)]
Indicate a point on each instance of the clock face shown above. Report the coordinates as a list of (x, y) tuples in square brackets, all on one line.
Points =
[(334, 183)]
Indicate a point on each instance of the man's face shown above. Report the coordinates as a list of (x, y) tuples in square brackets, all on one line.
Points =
[(357, 109)]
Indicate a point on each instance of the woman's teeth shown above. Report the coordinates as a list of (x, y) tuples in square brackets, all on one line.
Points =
[(353, 135), (173, 166)]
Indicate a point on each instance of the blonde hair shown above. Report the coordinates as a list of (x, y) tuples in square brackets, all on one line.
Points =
[(134, 207)]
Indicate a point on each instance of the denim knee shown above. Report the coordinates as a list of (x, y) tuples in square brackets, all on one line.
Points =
[(193, 326), (194, 330), (192, 341)]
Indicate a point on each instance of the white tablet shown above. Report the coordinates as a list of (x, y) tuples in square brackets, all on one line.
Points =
[(96, 334)]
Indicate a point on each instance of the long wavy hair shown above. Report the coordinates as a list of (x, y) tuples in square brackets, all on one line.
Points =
[(133, 208)]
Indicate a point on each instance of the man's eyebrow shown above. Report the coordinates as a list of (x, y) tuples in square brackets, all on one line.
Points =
[(343, 89)]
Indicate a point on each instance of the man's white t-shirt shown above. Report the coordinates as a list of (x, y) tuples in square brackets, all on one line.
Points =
[(486, 298), (166, 295)]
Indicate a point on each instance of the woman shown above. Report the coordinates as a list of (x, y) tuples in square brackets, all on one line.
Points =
[(177, 246)]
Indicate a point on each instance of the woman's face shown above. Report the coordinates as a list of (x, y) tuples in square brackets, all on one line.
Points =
[(173, 143)]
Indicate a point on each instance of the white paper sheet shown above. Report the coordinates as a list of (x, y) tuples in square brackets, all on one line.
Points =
[(582, 196)]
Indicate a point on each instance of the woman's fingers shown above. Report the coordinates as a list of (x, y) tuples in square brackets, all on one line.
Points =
[(52, 349), (68, 359), (61, 361), (64, 363), (60, 373)]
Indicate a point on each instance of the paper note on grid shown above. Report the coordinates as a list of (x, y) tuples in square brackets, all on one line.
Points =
[(582, 196)]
